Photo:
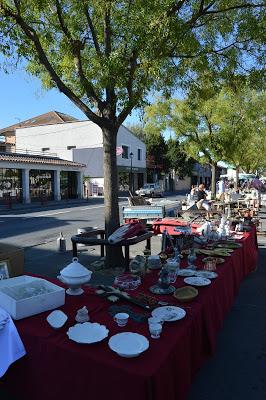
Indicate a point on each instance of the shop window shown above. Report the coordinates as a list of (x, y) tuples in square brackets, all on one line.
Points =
[(68, 185), (125, 152), (41, 184), (10, 184)]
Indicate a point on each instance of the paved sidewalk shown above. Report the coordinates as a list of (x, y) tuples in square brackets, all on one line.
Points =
[(237, 369)]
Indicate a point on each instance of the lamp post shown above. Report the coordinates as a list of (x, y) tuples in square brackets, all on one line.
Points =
[(131, 155)]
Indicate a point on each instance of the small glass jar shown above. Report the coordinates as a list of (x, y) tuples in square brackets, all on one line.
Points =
[(210, 264), (191, 258), (172, 265)]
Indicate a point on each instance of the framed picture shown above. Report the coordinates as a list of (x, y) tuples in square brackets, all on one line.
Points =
[(4, 273)]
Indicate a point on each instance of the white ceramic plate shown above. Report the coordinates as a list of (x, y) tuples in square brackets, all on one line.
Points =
[(206, 274), (197, 281), (128, 344), (169, 313), (88, 332), (56, 319), (186, 272)]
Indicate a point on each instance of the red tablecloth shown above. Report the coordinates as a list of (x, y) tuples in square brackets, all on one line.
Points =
[(56, 367), (170, 224)]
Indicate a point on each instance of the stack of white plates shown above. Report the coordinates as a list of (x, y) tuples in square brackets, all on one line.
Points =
[(128, 344)]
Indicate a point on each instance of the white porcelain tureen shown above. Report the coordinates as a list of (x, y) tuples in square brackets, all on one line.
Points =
[(75, 275)]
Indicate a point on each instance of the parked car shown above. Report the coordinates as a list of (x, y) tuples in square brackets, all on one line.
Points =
[(151, 190)]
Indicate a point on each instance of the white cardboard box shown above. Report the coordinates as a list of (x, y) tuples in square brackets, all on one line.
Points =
[(24, 296)]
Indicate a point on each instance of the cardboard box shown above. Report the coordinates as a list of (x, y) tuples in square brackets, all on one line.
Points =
[(24, 296), (15, 257)]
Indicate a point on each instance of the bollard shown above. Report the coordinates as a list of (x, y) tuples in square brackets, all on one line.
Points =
[(61, 243)]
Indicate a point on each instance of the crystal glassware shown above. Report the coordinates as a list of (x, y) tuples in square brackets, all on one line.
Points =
[(191, 258)]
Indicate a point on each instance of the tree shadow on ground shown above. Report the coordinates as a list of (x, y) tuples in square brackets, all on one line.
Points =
[(48, 262), (19, 209)]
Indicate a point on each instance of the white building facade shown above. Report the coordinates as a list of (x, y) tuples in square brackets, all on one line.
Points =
[(82, 142)]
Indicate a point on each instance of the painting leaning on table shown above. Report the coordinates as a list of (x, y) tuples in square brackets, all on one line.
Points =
[(4, 274)]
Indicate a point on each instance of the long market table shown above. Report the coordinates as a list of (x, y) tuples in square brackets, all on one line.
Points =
[(55, 367)]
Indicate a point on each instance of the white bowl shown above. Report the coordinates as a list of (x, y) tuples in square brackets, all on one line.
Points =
[(74, 280), (75, 273), (128, 344), (56, 319)]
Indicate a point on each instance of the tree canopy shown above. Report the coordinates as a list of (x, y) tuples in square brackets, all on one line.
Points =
[(240, 117), (106, 56), (228, 126)]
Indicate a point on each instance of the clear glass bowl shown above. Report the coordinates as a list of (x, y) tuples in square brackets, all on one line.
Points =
[(127, 282)]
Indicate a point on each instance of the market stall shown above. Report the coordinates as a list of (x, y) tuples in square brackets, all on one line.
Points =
[(57, 367)]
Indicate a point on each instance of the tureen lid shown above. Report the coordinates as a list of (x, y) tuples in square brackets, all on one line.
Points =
[(75, 269)]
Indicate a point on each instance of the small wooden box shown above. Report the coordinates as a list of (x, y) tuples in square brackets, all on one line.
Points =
[(14, 256)]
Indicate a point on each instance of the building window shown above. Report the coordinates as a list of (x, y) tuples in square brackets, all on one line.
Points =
[(139, 154), (68, 185), (125, 152), (45, 148), (41, 184), (71, 147), (10, 184)]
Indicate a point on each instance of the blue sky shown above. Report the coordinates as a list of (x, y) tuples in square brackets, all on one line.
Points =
[(22, 97)]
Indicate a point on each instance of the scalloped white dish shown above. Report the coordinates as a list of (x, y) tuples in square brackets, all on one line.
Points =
[(128, 344), (56, 319), (88, 332)]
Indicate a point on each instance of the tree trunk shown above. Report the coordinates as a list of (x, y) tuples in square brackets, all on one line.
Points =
[(213, 184), (237, 177), (114, 255)]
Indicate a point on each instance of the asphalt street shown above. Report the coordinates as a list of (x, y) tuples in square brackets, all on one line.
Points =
[(31, 228), (34, 226), (36, 229)]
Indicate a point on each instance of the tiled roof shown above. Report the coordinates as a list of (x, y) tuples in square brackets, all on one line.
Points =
[(52, 117), (34, 159)]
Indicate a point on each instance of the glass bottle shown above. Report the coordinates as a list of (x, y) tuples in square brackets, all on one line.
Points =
[(191, 258)]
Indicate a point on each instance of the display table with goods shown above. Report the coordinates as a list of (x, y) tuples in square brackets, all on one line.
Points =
[(96, 237), (143, 346)]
